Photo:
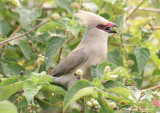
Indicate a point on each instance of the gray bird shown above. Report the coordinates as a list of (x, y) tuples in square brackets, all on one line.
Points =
[(92, 50)]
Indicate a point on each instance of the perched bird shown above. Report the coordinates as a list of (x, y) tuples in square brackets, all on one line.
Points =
[(92, 50)]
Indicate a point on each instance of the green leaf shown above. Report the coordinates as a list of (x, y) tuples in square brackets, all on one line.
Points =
[(120, 99), (81, 93), (22, 102), (116, 73), (23, 44), (78, 90), (7, 107), (52, 46), (100, 68), (27, 16), (16, 3), (120, 71), (40, 78), (118, 20), (4, 27), (7, 91), (75, 28), (30, 90), (96, 82), (12, 80), (105, 108), (149, 95), (93, 71), (142, 56), (53, 88), (49, 26), (112, 84), (10, 68), (136, 92), (115, 58), (120, 91), (66, 4)]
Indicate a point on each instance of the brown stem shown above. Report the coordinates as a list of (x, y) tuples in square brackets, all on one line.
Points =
[(16, 37), (60, 52), (16, 31), (35, 65), (34, 49), (152, 88), (135, 9), (155, 28), (70, 39), (42, 4), (18, 92), (3, 45), (149, 9)]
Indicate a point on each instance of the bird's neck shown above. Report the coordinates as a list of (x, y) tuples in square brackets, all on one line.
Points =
[(95, 35)]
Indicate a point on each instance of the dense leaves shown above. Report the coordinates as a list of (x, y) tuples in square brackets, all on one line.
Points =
[(128, 81)]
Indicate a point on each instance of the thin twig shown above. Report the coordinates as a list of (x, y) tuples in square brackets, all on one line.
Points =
[(155, 28), (152, 88), (35, 65), (16, 31), (135, 10), (16, 37), (60, 52), (69, 39), (18, 92), (32, 47), (149, 9), (42, 4), (3, 46)]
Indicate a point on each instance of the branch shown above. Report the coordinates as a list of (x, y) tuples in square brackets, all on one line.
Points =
[(70, 39), (42, 4), (149, 9), (60, 52), (135, 9), (3, 45), (154, 28), (16, 37), (152, 88)]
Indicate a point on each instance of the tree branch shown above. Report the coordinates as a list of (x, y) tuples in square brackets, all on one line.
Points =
[(42, 4), (156, 28), (149, 9), (135, 10), (60, 52), (152, 88), (3, 45), (16, 37)]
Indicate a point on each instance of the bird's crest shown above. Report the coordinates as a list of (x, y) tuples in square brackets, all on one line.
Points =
[(89, 19)]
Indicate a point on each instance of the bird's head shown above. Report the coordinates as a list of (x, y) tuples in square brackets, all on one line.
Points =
[(91, 20)]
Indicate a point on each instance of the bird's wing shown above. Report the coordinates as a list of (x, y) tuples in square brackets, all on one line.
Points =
[(73, 60)]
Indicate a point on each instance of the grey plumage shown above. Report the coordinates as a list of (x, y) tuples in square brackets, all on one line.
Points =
[(91, 51)]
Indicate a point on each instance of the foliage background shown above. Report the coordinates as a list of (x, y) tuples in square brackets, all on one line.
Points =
[(133, 53)]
